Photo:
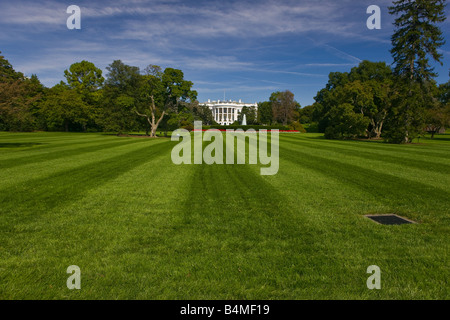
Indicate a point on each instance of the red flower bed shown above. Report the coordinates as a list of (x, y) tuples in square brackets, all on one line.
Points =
[(224, 130)]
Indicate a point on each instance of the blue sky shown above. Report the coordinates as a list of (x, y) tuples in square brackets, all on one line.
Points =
[(247, 49)]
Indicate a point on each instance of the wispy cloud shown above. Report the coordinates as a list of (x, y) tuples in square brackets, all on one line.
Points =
[(275, 44), (330, 64)]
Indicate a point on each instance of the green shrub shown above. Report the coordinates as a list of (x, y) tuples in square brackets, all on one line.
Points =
[(297, 126), (188, 127)]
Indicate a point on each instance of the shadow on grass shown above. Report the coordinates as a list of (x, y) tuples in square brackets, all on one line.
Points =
[(39, 195), (10, 163), (377, 184), (438, 137), (373, 141), (19, 144), (385, 157), (373, 147), (136, 135), (417, 141)]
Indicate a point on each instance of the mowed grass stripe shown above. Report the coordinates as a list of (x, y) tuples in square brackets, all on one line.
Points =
[(118, 233), (160, 231), (18, 176), (44, 146), (436, 150), (41, 147), (66, 152), (436, 175), (335, 209), (44, 139), (402, 192), (44, 193), (413, 152), (285, 262), (244, 226)]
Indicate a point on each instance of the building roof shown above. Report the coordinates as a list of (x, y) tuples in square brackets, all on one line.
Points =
[(229, 103)]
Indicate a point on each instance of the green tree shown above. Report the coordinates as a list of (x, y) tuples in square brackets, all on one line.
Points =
[(7, 72), (121, 95), (444, 92), (371, 99), (406, 119), (323, 100), (163, 93), (416, 39), (184, 118), (250, 115), (202, 113), (64, 109), (283, 107), (265, 114), (87, 80), (437, 118), (377, 82), (306, 114), (19, 98), (18, 104), (345, 123), (438, 115), (84, 77)]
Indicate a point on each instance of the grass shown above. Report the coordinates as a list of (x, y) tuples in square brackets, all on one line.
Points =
[(140, 227)]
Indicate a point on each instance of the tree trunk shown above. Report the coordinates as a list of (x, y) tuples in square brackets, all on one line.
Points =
[(411, 78), (153, 125)]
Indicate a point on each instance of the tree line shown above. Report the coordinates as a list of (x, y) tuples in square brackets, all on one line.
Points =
[(128, 99), (373, 100), (398, 104)]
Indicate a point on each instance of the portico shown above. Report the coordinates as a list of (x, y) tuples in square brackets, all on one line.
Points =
[(226, 112)]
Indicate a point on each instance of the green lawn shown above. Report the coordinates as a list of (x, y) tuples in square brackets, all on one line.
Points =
[(140, 227)]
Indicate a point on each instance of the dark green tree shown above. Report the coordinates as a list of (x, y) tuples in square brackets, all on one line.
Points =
[(444, 92), (202, 113), (121, 95), (84, 77), (163, 93), (306, 114), (368, 88), (416, 39), (345, 123), (250, 115), (265, 114), (64, 109), (284, 107), (438, 114), (7, 72), (323, 100), (19, 98)]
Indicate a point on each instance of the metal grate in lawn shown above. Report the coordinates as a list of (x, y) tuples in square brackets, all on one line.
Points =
[(389, 219)]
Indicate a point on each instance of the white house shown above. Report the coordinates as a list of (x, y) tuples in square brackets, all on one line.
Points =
[(226, 112)]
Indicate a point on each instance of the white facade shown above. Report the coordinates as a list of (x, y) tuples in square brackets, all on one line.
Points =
[(226, 112)]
